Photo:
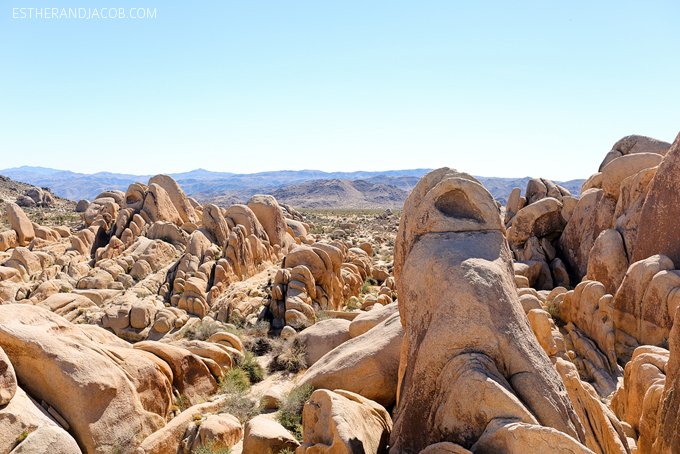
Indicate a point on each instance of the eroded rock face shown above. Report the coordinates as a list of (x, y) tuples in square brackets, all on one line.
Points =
[(469, 358), (95, 388), (343, 422), (659, 233)]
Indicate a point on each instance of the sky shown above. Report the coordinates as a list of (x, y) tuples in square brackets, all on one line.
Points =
[(506, 89)]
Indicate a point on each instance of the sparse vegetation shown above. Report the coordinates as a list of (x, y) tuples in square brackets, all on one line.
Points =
[(213, 447), (352, 305), (203, 330), (251, 367), (290, 356), (290, 410), (127, 444)]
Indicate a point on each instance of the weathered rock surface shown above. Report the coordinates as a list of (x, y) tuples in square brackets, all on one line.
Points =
[(345, 423), (93, 387), (367, 365), (324, 336), (471, 359)]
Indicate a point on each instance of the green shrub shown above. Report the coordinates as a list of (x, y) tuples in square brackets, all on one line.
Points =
[(260, 346), (239, 404), (203, 330), (290, 356), (352, 305), (213, 447), (251, 367), (235, 380), (290, 410), (365, 288)]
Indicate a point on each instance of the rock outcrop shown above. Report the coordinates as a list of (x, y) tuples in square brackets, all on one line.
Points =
[(469, 360)]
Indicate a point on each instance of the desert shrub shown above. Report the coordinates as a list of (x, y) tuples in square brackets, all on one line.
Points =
[(290, 410), (127, 444), (251, 367), (352, 305), (289, 356), (365, 288), (287, 451), (182, 402), (260, 346), (213, 447), (261, 328), (322, 315), (551, 308), (236, 379), (203, 330)]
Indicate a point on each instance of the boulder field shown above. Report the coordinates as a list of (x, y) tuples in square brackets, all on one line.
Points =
[(457, 325)]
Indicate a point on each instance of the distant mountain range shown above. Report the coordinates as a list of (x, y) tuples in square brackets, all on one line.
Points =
[(299, 188)]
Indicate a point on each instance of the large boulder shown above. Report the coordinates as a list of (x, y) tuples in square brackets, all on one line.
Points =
[(27, 428), (635, 144), (159, 207), (369, 320), (538, 219), (8, 380), (469, 357), (594, 213), (101, 391), (264, 436), (607, 262), (621, 168), (20, 223), (177, 196), (324, 336), (629, 302), (270, 215), (367, 365), (659, 233), (342, 422)]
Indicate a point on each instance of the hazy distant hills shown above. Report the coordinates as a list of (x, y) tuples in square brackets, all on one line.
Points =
[(299, 188)]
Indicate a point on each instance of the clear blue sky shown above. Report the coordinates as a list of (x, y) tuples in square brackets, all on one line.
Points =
[(493, 88)]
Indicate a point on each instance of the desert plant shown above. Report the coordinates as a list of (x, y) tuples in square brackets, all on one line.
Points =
[(213, 447), (182, 402), (203, 330), (260, 346), (261, 328), (127, 444), (352, 305), (235, 380), (251, 367), (290, 356), (322, 315), (287, 451), (290, 410), (365, 288), (552, 308)]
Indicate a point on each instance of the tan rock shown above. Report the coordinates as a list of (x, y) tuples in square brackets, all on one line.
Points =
[(658, 233), (620, 168), (368, 320), (538, 219), (271, 217), (603, 430), (264, 436), (344, 422), (21, 416), (177, 196), (79, 378), (222, 430), (628, 301), (20, 223), (159, 207), (607, 261), (367, 364), (593, 214), (469, 357), (191, 375), (322, 337), (241, 214), (8, 240), (8, 380)]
